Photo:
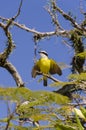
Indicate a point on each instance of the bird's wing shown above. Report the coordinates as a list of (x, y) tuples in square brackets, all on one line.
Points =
[(35, 69), (54, 68)]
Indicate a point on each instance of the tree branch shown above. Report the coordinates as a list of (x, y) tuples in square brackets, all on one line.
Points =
[(81, 8), (10, 46), (12, 70), (19, 10), (48, 76), (68, 17), (66, 89), (53, 15), (39, 34), (8, 121), (10, 117), (5, 54)]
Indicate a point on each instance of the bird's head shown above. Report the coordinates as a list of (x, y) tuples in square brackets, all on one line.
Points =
[(43, 54)]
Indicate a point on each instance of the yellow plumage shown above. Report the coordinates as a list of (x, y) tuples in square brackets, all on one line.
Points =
[(46, 66)]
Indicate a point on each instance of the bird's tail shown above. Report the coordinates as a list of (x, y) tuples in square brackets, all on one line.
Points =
[(44, 81)]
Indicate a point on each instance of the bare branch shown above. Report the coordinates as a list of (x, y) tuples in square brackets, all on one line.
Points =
[(2, 25), (40, 35), (48, 76), (12, 70), (35, 52), (10, 46), (43, 34), (52, 78), (19, 10), (54, 18), (8, 121), (66, 89), (13, 18), (10, 117), (81, 8), (66, 43), (67, 17)]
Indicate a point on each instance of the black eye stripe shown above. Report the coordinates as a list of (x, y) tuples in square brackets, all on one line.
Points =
[(43, 52)]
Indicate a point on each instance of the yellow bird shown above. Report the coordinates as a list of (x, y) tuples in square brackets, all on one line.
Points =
[(45, 66)]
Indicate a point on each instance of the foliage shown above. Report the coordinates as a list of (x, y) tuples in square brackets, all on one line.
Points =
[(78, 77), (42, 106)]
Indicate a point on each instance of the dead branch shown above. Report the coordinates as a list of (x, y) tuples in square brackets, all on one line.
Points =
[(81, 8), (8, 66), (10, 117), (66, 43), (52, 78), (66, 89), (5, 54), (54, 18), (9, 48), (39, 34), (19, 10), (68, 17), (48, 76), (10, 45), (12, 70), (8, 121)]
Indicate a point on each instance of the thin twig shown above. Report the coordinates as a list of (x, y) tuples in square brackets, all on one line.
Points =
[(54, 18), (19, 10), (8, 121), (75, 104), (10, 117), (66, 43), (81, 8), (13, 18), (48, 76)]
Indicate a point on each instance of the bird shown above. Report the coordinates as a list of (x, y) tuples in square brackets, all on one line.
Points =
[(45, 65)]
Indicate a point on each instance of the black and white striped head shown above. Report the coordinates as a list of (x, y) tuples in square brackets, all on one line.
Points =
[(43, 53)]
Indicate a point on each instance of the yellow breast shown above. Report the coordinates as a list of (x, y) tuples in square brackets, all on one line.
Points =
[(44, 65)]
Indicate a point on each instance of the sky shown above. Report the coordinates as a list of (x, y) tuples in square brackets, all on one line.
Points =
[(34, 16)]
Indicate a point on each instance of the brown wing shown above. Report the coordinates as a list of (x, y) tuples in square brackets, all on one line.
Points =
[(35, 69), (54, 68)]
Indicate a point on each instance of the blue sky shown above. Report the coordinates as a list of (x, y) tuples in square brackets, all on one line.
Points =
[(34, 15)]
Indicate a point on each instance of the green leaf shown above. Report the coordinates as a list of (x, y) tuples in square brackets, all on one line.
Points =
[(14, 94), (79, 113), (78, 77), (34, 97), (22, 128), (82, 54), (80, 127), (64, 127), (83, 110), (49, 97), (58, 84)]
